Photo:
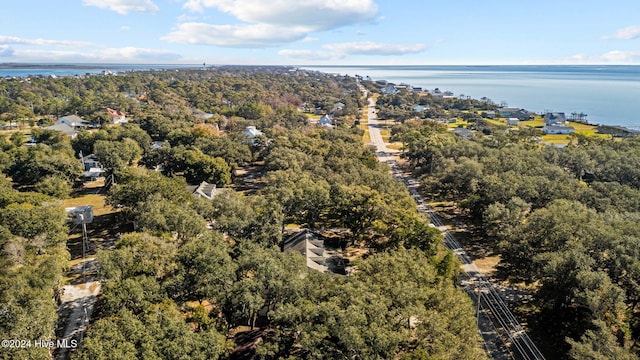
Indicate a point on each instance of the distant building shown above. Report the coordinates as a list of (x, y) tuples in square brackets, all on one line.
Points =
[(389, 90), (318, 257), (513, 121), (92, 169), (558, 129), (418, 108), (326, 121), (338, 106), (206, 190), (252, 131), (116, 116), (80, 214), (73, 121), (489, 114), (555, 118), (520, 114), (464, 133), (64, 129)]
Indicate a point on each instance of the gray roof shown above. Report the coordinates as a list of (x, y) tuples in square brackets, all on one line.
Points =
[(64, 128)]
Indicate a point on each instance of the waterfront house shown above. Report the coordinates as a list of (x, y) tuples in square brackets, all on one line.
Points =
[(489, 114), (511, 112), (558, 129), (389, 90), (555, 118), (513, 121)]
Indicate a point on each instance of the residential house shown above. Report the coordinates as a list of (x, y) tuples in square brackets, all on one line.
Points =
[(555, 118), (73, 121), (317, 255), (205, 190), (558, 129), (92, 169), (338, 106), (418, 108), (251, 132), (80, 214), (116, 116), (464, 133), (64, 129), (513, 121), (326, 121), (490, 114), (520, 114), (436, 93), (389, 90)]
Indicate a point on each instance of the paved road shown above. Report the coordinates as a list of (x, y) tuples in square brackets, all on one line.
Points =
[(502, 334)]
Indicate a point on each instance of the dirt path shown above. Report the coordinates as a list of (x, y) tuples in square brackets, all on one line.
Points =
[(77, 302)]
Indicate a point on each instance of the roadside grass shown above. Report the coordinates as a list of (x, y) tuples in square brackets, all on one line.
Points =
[(386, 134), (366, 137), (556, 139), (95, 200), (457, 123), (395, 146)]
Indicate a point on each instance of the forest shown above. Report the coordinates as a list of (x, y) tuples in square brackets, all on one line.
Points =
[(563, 221), (189, 277)]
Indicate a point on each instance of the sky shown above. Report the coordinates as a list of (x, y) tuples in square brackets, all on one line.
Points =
[(321, 32)]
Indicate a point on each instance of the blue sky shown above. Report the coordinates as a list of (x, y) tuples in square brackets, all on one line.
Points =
[(321, 32)]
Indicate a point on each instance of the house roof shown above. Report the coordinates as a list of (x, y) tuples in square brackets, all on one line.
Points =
[(554, 117), (114, 113), (465, 133), (318, 256), (325, 120), (252, 131), (64, 128), (74, 120), (206, 190)]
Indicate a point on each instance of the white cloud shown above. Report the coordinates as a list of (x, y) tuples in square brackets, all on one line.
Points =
[(258, 35), (124, 6), (121, 55), (309, 54), (342, 50), (315, 15), (20, 41), (6, 51), (373, 48), (628, 33), (611, 57), (125, 28)]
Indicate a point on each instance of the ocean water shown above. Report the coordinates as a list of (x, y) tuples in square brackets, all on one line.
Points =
[(609, 95)]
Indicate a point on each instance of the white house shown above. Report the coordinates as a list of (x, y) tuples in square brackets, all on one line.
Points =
[(555, 118), (558, 129), (389, 90), (73, 121), (80, 214), (326, 121), (513, 121), (64, 129), (116, 116), (252, 131)]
